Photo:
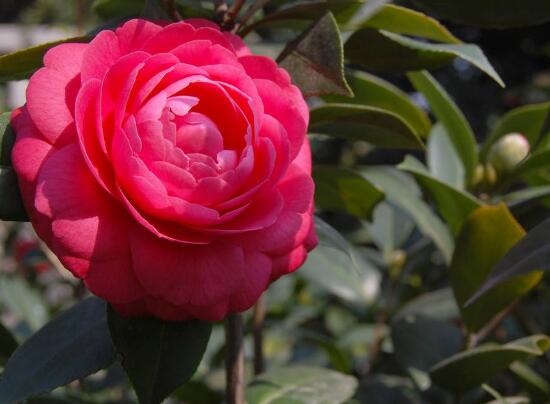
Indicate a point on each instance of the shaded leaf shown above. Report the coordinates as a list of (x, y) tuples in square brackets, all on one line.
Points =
[(108, 9), (73, 345), (315, 60), (494, 228), (343, 190), (469, 369), (532, 121), (24, 301), (8, 344), (7, 139), (423, 334), (11, 204), (452, 119), (357, 122), (372, 91), (23, 63), (401, 191), (158, 356), (301, 385), (454, 205), (390, 228), (387, 51), (490, 13), (534, 163)]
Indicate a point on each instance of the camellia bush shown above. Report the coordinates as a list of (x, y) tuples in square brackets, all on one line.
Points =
[(207, 225)]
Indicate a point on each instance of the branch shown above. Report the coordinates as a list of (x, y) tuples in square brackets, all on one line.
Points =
[(234, 359)]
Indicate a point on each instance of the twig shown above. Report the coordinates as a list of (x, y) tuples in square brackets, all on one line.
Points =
[(257, 330), (253, 9), (475, 338), (234, 359), (228, 21)]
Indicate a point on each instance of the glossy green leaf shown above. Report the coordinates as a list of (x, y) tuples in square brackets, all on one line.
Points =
[(372, 91), (442, 158), (301, 385), (315, 60), (517, 199), (423, 334), (533, 163), (402, 20), (524, 260), (21, 64), (392, 52), (532, 121), (494, 228), (490, 13), (343, 190), (357, 122), (73, 345), (452, 119), (469, 369), (158, 356), (401, 191), (335, 267), (23, 300), (390, 228), (454, 205)]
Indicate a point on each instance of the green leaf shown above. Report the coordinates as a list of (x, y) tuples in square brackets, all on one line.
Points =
[(401, 191), (532, 121), (469, 369), (423, 334), (158, 356), (442, 158), (454, 205), (73, 345), (11, 204), (108, 9), (334, 266), (343, 190), (8, 344), (517, 199), (7, 139), (452, 119), (524, 260), (490, 13), (24, 301), (390, 52), (23, 63), (534, 162), (315, 60), (377, 126), (372, 91), (402, 20), (301, 385), (494, 228), (535, 383)]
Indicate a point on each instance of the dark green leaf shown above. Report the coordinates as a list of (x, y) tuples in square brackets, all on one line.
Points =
[(494, 228), (158, 356), (7, 139), (73, 345), (8, 344), (452, 119), (401, 191), (301, 385), (532, 121), (491, 13), (22, 63), (315, 60), (526, 258), (108, 9), (535, 383), (534, 163), (11, 204), (372, 91), (423, 334), (454, 205), (357, 122), (469, 369), (387, 51), (343, 190)]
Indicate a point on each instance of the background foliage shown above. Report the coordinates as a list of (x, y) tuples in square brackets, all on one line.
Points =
[(427, 285)]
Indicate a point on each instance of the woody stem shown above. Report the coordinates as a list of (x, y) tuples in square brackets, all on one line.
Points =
[(234, 359)]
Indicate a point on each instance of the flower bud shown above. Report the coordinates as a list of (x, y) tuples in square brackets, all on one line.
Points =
[(508, 152)]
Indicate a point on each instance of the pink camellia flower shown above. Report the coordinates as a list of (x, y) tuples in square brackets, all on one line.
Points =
[(168, 168)]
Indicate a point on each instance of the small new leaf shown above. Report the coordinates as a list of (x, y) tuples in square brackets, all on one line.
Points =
[(315, 60)]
